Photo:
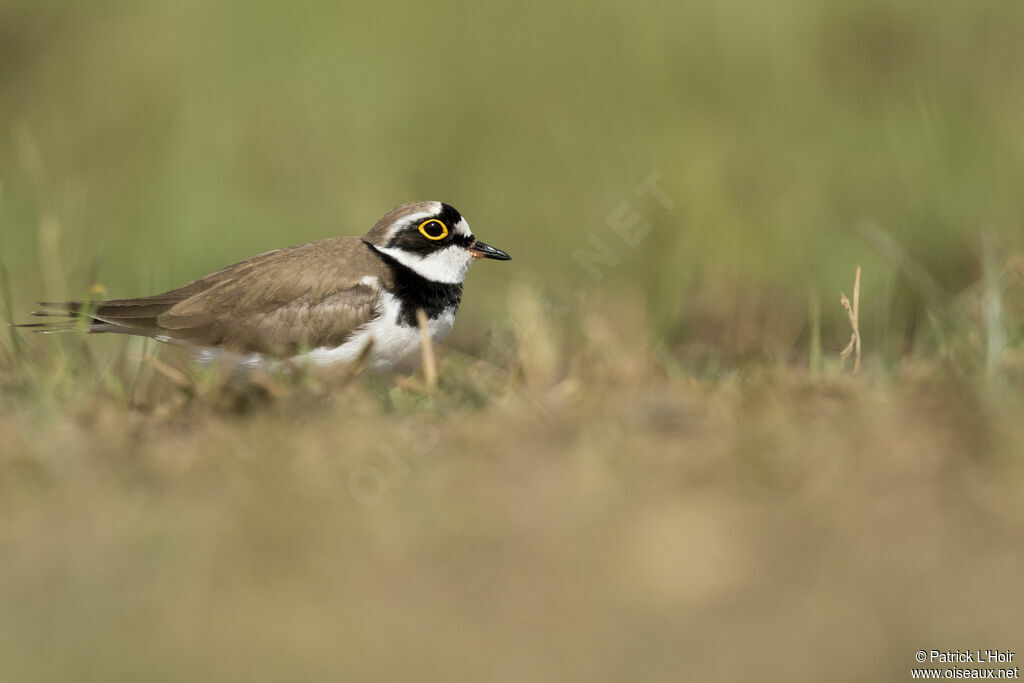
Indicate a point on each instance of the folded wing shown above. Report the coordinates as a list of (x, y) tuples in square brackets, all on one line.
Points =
[(277, 303)]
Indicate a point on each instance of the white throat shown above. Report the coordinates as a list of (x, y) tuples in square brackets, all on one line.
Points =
[(448, 265)]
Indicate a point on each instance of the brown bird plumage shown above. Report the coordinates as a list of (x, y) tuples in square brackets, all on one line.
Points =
[(317, 295), (275, 303)]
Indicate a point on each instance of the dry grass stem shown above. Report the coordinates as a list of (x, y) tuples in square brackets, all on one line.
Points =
[(853, 312), (48, 230), (427, 349)]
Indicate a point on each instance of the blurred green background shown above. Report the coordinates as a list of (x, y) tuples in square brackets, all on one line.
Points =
[(577, 510), (157, 141)]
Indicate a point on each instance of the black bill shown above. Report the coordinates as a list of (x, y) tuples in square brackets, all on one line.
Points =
[(481, 250)]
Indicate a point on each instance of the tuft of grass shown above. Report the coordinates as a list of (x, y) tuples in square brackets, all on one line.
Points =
[(16, 345), (853, 312)]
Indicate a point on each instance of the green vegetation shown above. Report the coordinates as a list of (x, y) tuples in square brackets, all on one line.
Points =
[(643, 462)]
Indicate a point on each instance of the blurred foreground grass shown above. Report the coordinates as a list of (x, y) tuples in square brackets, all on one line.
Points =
[(584, 511), (659, 472)]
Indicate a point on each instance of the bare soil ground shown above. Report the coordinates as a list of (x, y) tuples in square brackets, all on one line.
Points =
[(614, 522)]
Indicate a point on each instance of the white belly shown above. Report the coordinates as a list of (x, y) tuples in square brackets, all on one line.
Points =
[(390, 343)]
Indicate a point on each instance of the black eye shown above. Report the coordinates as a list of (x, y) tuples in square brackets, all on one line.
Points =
[(433, 229)]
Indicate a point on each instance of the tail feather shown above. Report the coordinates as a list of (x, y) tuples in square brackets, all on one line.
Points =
[(123, 316), (63, 324)]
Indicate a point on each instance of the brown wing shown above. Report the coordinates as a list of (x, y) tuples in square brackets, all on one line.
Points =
[(277, 303)]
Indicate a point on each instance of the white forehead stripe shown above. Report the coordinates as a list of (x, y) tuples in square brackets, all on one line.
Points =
[(448, 265), (462, 228), (433, 208)]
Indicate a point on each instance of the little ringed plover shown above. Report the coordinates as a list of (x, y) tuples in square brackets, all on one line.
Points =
[(330, 301)]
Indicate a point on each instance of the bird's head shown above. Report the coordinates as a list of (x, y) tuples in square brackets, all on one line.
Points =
[(432, 239)]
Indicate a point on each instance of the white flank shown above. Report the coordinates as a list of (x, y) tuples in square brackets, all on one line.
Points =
[(391, 342)]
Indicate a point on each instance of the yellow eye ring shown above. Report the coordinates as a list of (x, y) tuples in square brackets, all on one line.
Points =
[(431, 226)]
